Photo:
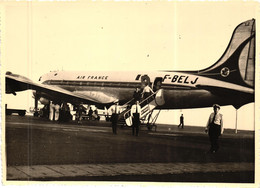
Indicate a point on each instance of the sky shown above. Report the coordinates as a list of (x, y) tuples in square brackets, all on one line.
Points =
[(45, 36)]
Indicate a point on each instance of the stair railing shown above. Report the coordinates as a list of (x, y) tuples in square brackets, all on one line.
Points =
[(143, 103)]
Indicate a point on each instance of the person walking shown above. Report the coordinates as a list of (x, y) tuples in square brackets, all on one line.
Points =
[(181, 121), (135, 114), (114, 117), (214, 128)]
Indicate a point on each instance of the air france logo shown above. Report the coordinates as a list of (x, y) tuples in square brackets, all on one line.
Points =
[(225, 72)]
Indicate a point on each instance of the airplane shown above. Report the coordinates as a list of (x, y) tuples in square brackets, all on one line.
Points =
[(229, 81)]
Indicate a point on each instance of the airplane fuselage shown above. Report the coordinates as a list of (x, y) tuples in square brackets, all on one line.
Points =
[(180, 88)]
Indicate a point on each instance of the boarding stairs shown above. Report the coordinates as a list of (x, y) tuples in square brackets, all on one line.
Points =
[(151, 120), (125, 107), (147, 107)]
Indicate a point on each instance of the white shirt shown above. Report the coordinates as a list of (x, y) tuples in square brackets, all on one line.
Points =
[(218, 120), (57, 107), (147, 89), (52, 106), (115, 109), (133, 109)]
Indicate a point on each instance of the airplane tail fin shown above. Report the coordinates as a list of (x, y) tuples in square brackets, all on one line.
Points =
[(237, 64)]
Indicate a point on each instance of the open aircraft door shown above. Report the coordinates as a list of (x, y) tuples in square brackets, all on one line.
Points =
[(157, 84)]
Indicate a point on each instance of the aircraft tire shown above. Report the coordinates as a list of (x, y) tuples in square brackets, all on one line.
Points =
[(21, 113)]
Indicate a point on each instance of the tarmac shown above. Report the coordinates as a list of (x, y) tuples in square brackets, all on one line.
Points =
[(92, 171), (40, 150)]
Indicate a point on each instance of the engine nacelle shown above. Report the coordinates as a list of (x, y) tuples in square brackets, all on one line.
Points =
[(44, 101)]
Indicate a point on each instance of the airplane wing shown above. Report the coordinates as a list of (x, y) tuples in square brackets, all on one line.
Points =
[(240, 97), (16, 83)]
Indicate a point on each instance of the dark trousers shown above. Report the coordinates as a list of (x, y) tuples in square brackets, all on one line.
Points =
[(136, 124), (114, 119), (181, 124), (214, 133), (146, 94)]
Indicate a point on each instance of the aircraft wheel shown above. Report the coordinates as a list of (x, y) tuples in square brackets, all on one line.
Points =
[(21, 113), (35, 114), (149, 127)]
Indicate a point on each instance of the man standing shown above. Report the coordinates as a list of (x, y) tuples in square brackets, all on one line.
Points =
[(215, 128), (135, 114), (51, 114), (90, 113), (137, 94), (80, 111), (114, 117), (181, 121), (57, 112)]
